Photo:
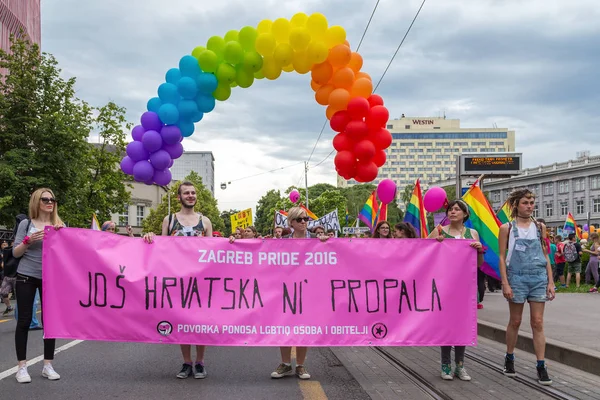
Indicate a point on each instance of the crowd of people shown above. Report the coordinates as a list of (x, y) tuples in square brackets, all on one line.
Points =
[(528, 273)]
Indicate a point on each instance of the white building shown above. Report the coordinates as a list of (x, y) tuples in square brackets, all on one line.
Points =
[(201, 162)]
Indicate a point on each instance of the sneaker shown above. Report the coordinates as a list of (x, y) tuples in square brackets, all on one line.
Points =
[(447, 372), (8, 310), (509, 367), (593, 290), (199, 371), (50, 373), (282, 370), (543, 377), (480, 306), (461, 373), (23, 376), (302, 373), (186, 370)]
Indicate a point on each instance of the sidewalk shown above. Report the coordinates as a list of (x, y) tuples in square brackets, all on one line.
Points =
[(570, 323)]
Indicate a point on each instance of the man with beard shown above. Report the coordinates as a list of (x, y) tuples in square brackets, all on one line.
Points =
[(187, 222)]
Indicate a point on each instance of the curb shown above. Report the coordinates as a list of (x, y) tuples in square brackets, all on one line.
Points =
[(574, 356)]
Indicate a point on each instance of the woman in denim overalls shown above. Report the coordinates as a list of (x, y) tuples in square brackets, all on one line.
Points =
[(526, 276)]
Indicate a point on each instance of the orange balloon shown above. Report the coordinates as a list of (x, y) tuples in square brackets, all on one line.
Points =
[(363, 75), (362, 88), (347, 43), (330, 111), (584, 235), (592, 228), (315, 86), (322, 95), (322, 73), (339, 99), (343, 78), (340, 55), (356, 62)]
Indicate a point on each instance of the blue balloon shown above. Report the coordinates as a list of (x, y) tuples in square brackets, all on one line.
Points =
[(197, 117), (187, 87), (205, 102), (168, 93), (173, 76), (187, 109), (207, 83), (154, 104), (187, 128), (169, 114), (188, 65)]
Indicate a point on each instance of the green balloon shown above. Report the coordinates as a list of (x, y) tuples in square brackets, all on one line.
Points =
[(231, 36), (252, 60), (259, 75), (244, 77), (217, 45), (225, 74), (247, 37), (197, 51), (234, 54), (222, 92), (208, 61), (233, 84)]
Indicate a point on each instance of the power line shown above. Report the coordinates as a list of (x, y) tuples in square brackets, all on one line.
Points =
[(266, 172), (368, 24)]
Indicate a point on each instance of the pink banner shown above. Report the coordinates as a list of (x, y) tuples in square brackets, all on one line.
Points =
[(186, 290)]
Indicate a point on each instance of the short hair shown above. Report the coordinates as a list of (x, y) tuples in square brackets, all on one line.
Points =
[(463, 207), (331, 231), (293, 213), (558, 237), (184, 183), (515, 197), (314, 229), (571, 236)]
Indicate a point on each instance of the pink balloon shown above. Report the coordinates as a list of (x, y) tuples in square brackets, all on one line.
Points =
[(386, 191), (294, 196), (434, 199)]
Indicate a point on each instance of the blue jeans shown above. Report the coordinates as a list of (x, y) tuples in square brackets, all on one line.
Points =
[(34, 321)]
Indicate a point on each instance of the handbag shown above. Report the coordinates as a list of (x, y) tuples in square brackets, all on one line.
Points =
[(11, 263)]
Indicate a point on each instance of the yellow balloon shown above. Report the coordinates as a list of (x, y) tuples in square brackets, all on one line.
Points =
[(271, 68), (289, 68), (283, 54), (317, 24), (302, 63), (299, 38), (264, 26), (317, 52), (299, 20), (335, 35), (281, 30), (265, 44), (196, 52)]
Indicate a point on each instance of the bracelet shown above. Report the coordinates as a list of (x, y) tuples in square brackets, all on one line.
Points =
[(26, 240)]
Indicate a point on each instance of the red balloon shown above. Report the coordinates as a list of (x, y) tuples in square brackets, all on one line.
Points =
[(366, 171), (375, 100), (357, 129), (344, 160), (381, 138), (339, 120), (364, 150), (342, 142), (358, 108), (378, 117), (379, 158)]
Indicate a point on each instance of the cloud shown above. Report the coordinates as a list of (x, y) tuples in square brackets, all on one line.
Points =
[(530, 66)]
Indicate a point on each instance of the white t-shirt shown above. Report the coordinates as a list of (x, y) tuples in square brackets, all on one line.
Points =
[(524, 233)]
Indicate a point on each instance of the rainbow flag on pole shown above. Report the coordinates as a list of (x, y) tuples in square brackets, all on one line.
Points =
[(415, 212), (382, 213), (503, 213), (309, 213), (484, 221), (571, 226), (95, 225), (368, 214)]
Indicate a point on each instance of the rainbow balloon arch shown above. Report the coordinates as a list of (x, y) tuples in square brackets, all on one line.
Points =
[(303, 44)]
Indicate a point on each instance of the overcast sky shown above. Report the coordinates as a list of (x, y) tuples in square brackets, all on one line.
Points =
[(531, 66)]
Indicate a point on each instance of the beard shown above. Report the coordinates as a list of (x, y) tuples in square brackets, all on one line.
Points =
[(189, 206)]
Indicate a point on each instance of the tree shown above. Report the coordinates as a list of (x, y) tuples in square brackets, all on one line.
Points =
[(407, 194), (450, 192), (356, 197), (226, 218), (265, 210), (329, 201), (316, 190), (206, 204)]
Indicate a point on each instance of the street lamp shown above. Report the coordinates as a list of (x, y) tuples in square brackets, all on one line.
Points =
[(224, 185)]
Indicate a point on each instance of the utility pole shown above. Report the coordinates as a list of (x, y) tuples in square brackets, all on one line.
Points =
[(306, 180)]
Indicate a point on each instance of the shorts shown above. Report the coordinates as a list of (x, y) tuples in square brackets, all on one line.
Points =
[(574, 267), (560, 269), (8, 285), (530, 285)]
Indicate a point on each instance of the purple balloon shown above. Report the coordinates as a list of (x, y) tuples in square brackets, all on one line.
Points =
[(137, 133), (160, 160), (170, 134), (171, 163), (151, 121), (152, 141), (149, 182), (175, 150), (127, 165), (162, 177), (143, 171), (181, 139), (137, 152)]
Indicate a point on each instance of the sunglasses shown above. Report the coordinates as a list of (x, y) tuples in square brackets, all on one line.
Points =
[(48, 200), (300, 219)]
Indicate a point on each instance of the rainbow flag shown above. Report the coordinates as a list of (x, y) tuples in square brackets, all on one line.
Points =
[(484, 221), (309, 213), (95, 225), (571, 226), (382, 213), (503, 213), (368, 214), (347, 215), (415, 212)]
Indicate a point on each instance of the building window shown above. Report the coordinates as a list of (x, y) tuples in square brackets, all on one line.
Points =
[(496, 196), (548, 188), (563, 187), (140, 215), (390, 126), (406, 126), (549, 209), (124, 216), (564, 208), (536, 212), (595, 182), (579, 207), (596, 205), (579, 185)]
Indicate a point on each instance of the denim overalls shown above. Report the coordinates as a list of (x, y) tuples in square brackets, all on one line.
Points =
[(527, 274)]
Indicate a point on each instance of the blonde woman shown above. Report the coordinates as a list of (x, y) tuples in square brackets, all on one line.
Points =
[(43, 212)]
